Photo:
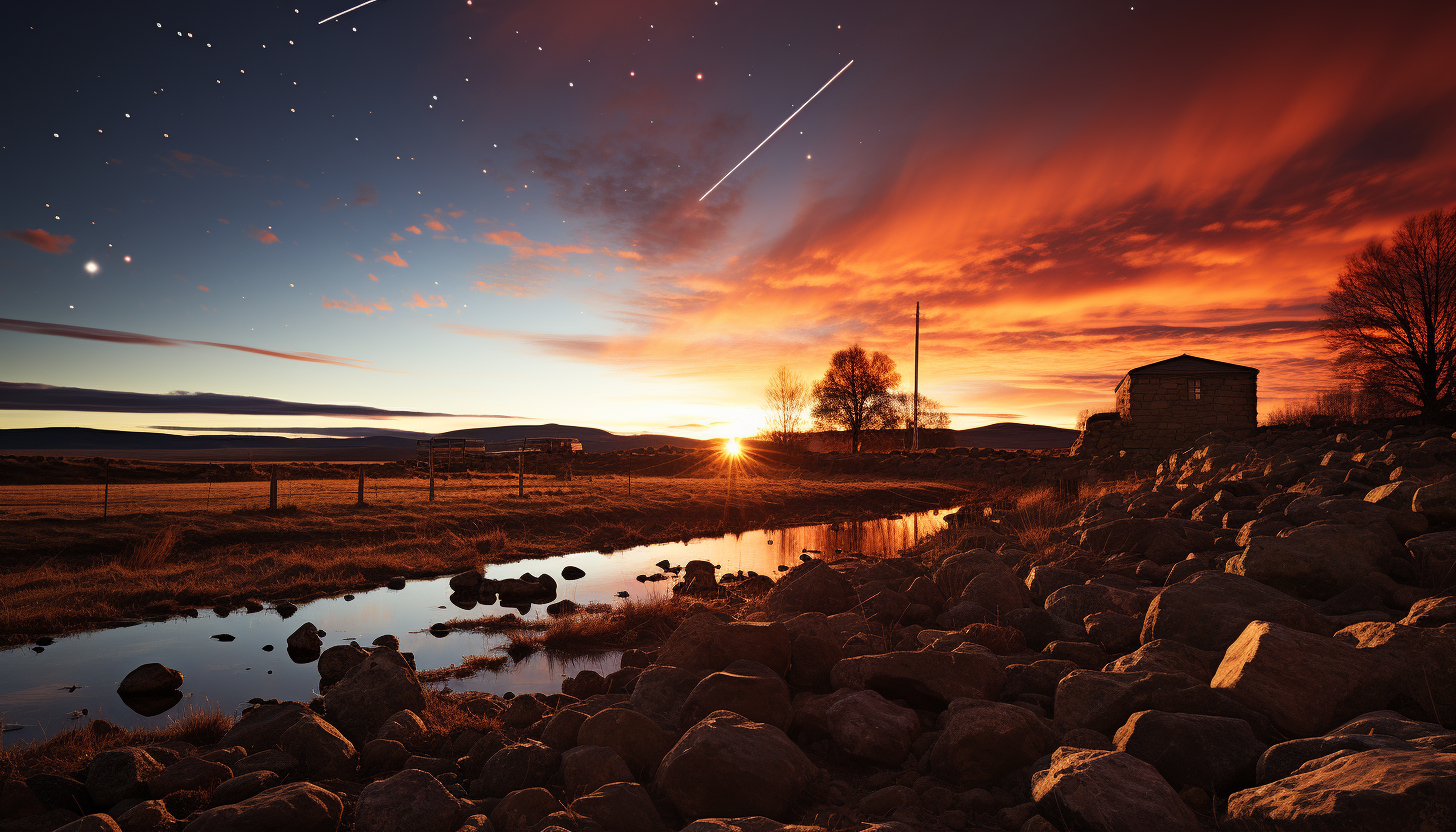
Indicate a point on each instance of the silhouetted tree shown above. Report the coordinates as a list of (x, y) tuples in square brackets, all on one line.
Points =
[(785, 400), (1391, 318), (855, 392), (902, 414)]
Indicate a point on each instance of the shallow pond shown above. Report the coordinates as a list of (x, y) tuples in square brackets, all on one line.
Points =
[(42, 692)]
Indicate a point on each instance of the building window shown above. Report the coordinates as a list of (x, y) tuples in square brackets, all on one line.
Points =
[(1195, 389)]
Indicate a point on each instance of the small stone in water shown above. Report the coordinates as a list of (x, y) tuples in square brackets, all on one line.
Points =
[(622, 594), (224, 637), (45, 641), (267, 648), (38, 649), (348, 597)]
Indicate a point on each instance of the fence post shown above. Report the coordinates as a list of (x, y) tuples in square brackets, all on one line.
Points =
[(432, 471), (106, 489), (521, 474), (273, 489), (361, 485), (629, 482)]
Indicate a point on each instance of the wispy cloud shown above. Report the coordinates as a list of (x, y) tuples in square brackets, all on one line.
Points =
[(42, 239), (521, 247), (358, 257), (27, 396), (120, 337), (426, 303), (413, 229), (393, 258), (262, 235), (353, 304)]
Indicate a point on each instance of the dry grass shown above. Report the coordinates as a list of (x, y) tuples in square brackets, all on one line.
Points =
[(443, 715), (630, 623), (60, 575), (468, 666), (71, 751)]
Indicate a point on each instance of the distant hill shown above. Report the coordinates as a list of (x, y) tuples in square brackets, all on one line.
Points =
[(1015, 436), (243, 447)]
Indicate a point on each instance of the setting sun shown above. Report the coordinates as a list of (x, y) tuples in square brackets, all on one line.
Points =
[(732, 448)]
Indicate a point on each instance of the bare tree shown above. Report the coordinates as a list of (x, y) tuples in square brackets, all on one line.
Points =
[(855, 392), (932, 412), (785, 400), (1391, 318)]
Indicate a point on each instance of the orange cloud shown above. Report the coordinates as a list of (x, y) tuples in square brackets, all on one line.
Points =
[(204, 288), (413, 229), (523, 247), (372, 277), (43, 240), (358, 257), (353, 304), (223, 221), (456, 214), (395, 237), (262, 235), (434, 224), (394, 258), (630, 255), (425, 303)]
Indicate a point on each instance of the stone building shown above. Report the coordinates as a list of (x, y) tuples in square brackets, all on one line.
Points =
[(1173, 402)]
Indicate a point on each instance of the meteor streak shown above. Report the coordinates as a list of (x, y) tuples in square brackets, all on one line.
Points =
[(346, 11), (776, 129)]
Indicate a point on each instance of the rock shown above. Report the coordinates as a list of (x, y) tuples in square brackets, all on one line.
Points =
[(661, 692), (1167, 656), (704, 642), (1217, 754), (152, 678), (811, 587), (1304, 683), (1211, 609), (981, 742), (60, 793), (1435, 558), (92, 823), (522, 810), (1398, 495), (522, 766), (1075, 603), (405, 728), (620, 807), (337, 661), (812, 659), (1367, 791), (524, 711), (147, 816), (261, 726), (319, 748), (1038, 678), (1103, 791), (727, 766), (585, 683), (925, 677), (572, 573), (886, 800), (1432, 612), (305, 639), (410, 801), (1041, 627), (1437, 502), (1103, 701), (271, 760), (18, 801), (866, 725), (1312, 561), (953, 573), (1159, 539), (296, 807), (377, 688), (1115, 632), (466, 581), (635, 737), (120, 773), (386, 755), (188, 773), (396, 582), (1284, 759), (698, 578), (997, 590), (1044, 580), (243, 786), (587, 768), (1420, 660), (746, 688)]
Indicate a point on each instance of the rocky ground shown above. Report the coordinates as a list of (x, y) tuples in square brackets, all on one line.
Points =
[(1260, 636)]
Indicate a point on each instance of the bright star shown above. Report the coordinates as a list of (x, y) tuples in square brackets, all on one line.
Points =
[(92, 268)]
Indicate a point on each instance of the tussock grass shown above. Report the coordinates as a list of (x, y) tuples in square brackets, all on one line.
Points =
[(506, 623), (627, 624), (71, 751), (443, 715), (64, 574), (468, 666)]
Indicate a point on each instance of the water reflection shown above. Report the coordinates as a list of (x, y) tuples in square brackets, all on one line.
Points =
[(40, 691)]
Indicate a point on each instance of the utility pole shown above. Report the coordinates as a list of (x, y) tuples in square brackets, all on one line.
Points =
[(432, 470), (915, 407)]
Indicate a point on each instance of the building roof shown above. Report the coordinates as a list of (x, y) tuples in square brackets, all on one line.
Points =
[(1189, 365)]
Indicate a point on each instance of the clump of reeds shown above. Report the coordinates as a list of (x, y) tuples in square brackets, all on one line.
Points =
[(627, 624), (495, 624), (492, 542), (71, 751), (468, 666), (155, 550)]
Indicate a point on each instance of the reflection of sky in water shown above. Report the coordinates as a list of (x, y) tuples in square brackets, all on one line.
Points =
[(224, 675)]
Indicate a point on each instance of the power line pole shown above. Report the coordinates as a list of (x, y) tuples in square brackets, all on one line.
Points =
[(915, 407)]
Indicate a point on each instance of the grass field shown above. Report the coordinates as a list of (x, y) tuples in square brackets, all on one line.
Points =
[(64, 569)]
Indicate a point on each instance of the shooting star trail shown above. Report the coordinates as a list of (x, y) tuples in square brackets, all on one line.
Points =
[(776, 129), (346, 11)]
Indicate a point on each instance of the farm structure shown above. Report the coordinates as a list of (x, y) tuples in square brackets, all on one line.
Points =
[(1174, 401)]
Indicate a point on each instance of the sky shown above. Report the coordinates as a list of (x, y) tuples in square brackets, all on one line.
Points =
[(433, 215)]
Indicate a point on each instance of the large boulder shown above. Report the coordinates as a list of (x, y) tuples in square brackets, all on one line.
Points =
[(1076, 602), (928, 677), (1108, 791), (1209, 611), (635, 737), (261, 726), (524, 810), (620, 807), (90, 823), (746, 688), (998, 591), (811, 587), (410, 801), (1302, 682), (1421, 660), (1364, 791), (522, 766), (1163, 655), (151, 678), (586, 768), (866, 725), (305, 639), (296, 807), (981, 742), (661, 691), (1159, 539), (1103, 701), (1437, 502), (953, 573), (120, 773), (1435, 558), (1314, 561), (243, 786), (188, 773), (706, 642), (369, 694), (1432, 612), (319, 748), (1217, 754), (338, 660), (727, 766)]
